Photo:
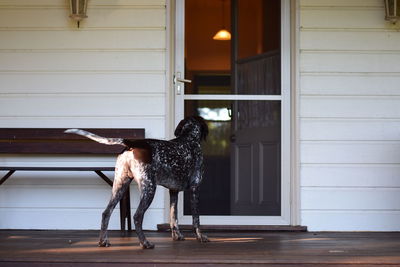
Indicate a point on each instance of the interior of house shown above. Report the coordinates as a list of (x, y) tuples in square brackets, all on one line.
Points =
[(233, 47)]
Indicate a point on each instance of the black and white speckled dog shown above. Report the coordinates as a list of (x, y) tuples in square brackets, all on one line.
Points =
[(176, 164)]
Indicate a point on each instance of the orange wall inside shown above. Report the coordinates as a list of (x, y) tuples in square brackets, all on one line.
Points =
[(203, 20), (259, 32)]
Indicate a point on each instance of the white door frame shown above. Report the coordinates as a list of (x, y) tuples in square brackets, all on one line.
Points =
[(180, 97)]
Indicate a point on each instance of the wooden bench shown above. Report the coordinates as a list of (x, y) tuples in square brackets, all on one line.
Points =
[(39, 141)]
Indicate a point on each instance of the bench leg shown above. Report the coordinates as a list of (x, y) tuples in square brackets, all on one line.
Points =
[(5, 177), (125, 211), (104, 177), (128, 210)]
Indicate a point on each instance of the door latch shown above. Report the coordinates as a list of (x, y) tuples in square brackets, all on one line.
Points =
[(178, 80)]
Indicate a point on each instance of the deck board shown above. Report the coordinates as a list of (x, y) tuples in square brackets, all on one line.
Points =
[(79, 248)]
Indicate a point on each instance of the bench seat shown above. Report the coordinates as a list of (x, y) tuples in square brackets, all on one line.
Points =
[(38, 141)]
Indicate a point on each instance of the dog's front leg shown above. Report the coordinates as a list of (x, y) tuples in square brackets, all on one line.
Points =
[(195, 214), (176, 234)]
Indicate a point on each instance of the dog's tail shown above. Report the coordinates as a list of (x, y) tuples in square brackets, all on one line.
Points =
[(99, 139)]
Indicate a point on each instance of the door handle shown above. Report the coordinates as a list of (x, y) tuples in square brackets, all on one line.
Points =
[(178, 80)]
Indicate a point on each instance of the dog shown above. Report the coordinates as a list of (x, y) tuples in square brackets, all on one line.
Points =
[(176, 164)]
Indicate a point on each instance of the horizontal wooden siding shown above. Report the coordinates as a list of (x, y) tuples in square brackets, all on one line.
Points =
[(350, 116), (109, 73)]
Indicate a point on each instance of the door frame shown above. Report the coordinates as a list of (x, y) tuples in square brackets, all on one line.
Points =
[(289, 188)]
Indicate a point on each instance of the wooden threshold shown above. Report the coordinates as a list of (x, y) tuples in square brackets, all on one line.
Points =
[(273, 228)]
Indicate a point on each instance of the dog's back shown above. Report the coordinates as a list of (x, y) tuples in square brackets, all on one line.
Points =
[(174, 164)]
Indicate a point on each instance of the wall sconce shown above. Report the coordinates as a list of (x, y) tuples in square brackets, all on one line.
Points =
[(392, 10), (78, 10)]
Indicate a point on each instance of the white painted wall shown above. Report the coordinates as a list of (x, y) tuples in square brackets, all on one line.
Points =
[(109, 73), (350, 116)]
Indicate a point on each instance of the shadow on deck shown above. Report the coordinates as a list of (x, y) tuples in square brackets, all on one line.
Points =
[(79, 248)]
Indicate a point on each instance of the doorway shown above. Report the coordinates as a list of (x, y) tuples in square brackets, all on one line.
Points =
[(237, 86)]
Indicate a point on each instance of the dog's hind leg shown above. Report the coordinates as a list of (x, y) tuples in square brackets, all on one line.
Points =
[(176, 234), (147, 192), (119, 187), (194, 193)]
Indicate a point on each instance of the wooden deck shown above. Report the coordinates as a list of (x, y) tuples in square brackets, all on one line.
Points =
[(79, 248)]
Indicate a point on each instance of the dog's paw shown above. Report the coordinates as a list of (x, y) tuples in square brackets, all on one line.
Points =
[(177, 236), (104, 243), (202, 238), (147, 245)]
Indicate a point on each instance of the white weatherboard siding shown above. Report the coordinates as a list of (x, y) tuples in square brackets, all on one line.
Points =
[(110, 73), (350, 116)]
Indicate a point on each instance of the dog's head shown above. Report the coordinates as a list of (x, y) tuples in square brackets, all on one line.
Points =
[(194, 126)]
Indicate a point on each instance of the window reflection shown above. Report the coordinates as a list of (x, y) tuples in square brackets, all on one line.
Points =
[(215, 114)]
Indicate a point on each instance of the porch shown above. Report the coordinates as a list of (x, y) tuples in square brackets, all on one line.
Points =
[(79, 248)]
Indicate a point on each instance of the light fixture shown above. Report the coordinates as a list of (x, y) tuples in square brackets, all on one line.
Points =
[(392, 10), (223, 34), (78, 10)]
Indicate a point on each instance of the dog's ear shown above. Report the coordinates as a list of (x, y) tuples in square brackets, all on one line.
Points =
[(179, 128), (183, 126), (203, 127)]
